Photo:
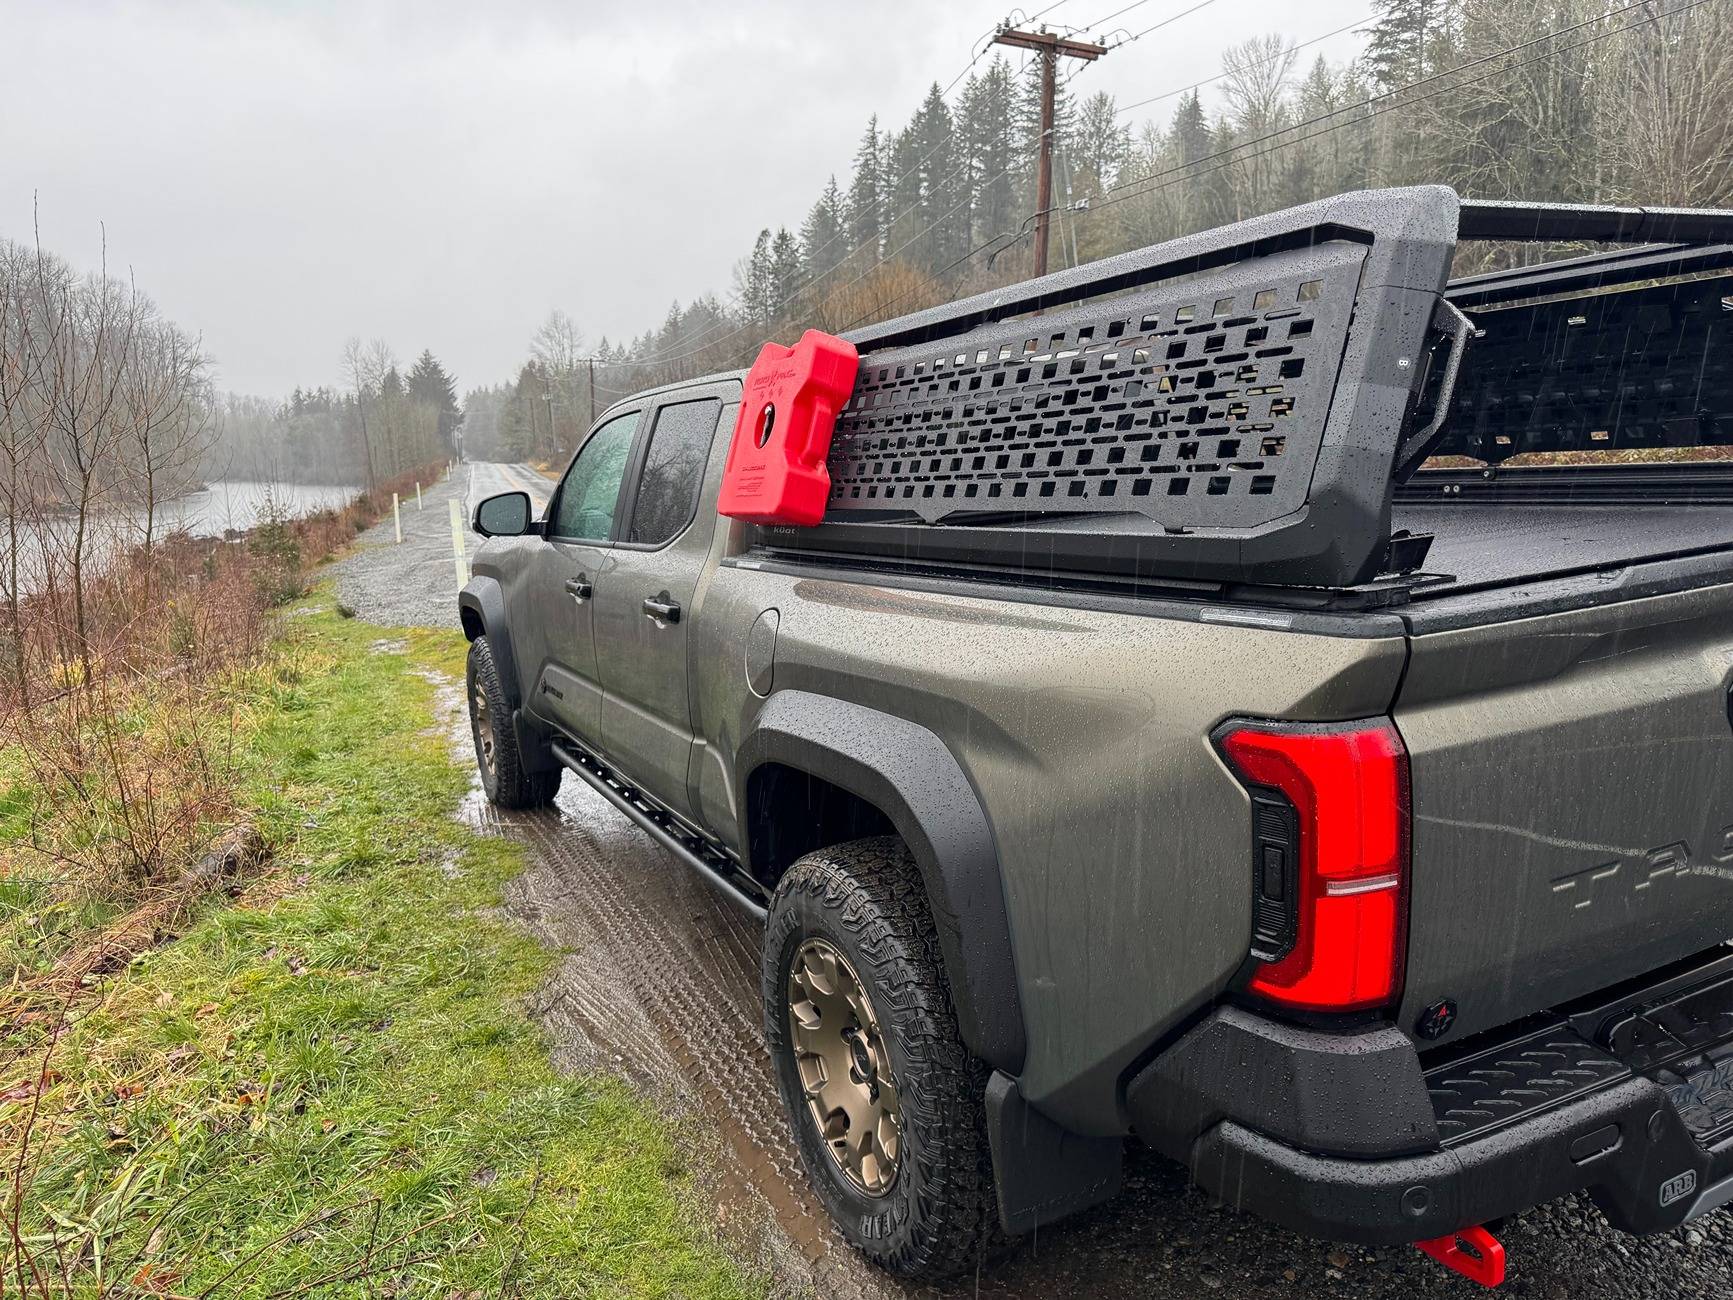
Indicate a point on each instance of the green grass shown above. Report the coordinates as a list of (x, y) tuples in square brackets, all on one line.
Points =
[(332, 1087)]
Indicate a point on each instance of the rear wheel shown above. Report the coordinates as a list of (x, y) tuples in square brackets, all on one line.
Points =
[(884, 1099), (504, 778)]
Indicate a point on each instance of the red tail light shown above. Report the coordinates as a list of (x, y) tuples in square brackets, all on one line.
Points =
[(1348, 785)]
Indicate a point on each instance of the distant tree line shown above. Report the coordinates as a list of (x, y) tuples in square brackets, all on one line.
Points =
[(383, 423), (1595, 101)]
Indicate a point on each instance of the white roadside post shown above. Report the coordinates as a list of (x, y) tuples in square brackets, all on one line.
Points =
[(458, 561), (396, 519), (418, 494)]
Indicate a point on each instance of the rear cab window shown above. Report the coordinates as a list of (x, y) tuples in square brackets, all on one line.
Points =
[(673, 472)]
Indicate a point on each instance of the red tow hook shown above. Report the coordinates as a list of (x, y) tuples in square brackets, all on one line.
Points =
[(1473, 1252)]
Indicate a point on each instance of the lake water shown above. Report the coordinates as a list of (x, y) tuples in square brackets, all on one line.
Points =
[(221, 506), (241, 504)]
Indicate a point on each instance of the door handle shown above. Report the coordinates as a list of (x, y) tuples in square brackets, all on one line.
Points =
[(578, 588), (662, 609)]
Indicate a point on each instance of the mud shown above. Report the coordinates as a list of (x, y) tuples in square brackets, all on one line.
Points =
[(658, 984)]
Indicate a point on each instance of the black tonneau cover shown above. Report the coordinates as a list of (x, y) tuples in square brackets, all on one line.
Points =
[(1500, 544)]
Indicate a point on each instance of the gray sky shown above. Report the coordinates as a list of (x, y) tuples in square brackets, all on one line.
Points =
[(441, 173)]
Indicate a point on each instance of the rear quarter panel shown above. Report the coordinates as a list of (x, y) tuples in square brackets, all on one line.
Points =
[(1123, 842)]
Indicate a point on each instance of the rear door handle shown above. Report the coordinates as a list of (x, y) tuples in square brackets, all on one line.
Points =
[(578, 588), (662, 609)]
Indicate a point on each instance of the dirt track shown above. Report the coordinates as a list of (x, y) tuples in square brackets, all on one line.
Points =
[(659, 983)]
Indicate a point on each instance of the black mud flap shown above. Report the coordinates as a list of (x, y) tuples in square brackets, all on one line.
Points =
[(1044, 1172)]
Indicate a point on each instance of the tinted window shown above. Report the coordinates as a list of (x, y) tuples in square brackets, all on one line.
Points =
[(591, 489), (673, 471)]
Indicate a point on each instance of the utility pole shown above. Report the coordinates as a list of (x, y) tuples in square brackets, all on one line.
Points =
[(1050, 47), (592, 362)]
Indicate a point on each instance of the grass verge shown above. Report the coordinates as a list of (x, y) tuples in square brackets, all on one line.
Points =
[(331, 1088)]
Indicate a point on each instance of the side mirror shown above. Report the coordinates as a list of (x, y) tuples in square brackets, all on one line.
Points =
[(505, 515)]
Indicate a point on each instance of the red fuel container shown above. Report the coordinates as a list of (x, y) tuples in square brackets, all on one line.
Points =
[(776, 470)]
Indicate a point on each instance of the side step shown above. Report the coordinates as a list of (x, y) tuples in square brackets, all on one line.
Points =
[(718, 870)]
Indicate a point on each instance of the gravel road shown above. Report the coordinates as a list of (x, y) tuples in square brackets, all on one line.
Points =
[(414, 584), (658, 984)]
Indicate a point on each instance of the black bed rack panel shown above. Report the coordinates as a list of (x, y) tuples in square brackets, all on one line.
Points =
[(1224, 407), (1601, 368), (1195, 404)]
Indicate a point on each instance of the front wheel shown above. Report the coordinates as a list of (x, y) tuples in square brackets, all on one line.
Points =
[(885, 1101), (504, 778)]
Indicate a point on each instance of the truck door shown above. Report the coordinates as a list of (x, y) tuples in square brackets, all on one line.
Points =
[(564, 685), (644, 607)]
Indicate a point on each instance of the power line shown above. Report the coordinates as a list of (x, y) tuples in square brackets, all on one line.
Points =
[(1136, 4), (1259, 63), (1165, 22), (1049, 9), (1154, 27)]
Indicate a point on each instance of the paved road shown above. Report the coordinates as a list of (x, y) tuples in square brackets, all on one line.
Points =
[(486, 478), (659, 984)]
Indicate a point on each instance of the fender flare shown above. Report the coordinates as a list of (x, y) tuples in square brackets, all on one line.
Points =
[(910, 775), (481, 604)]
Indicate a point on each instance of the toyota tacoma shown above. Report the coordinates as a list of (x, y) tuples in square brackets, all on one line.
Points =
[(1258, 694)]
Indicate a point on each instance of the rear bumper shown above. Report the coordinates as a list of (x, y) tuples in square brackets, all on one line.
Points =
[(1643, 1183), (1325, 1133)]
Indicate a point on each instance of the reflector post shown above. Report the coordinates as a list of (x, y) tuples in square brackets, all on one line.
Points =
[(1348, 784)]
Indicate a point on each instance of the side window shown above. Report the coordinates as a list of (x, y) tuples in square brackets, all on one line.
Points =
[(673, 471), (590, 492)]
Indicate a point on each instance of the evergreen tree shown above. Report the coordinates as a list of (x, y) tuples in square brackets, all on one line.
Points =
[(943, 232), (1193, 140), (866, 195), (756, 285), (822, 234), (1095, 150), (904, 197), (784, 273), (985, 113), (1399, 40), (429, 383)]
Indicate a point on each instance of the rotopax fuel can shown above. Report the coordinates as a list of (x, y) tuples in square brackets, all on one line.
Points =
[(776, 470)]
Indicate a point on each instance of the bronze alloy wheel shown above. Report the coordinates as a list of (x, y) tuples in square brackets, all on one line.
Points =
[(483, 719), (845, 1071)]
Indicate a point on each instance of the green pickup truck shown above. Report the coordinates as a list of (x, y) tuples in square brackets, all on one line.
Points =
[(1198, 717)]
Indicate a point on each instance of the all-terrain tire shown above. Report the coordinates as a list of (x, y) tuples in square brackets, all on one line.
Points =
[(505, 777), (939, 1215)]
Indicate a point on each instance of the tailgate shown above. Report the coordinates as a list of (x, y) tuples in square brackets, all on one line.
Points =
[(1573, 802)]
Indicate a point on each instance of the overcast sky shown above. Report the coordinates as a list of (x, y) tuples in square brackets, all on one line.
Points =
[(440, 174)]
